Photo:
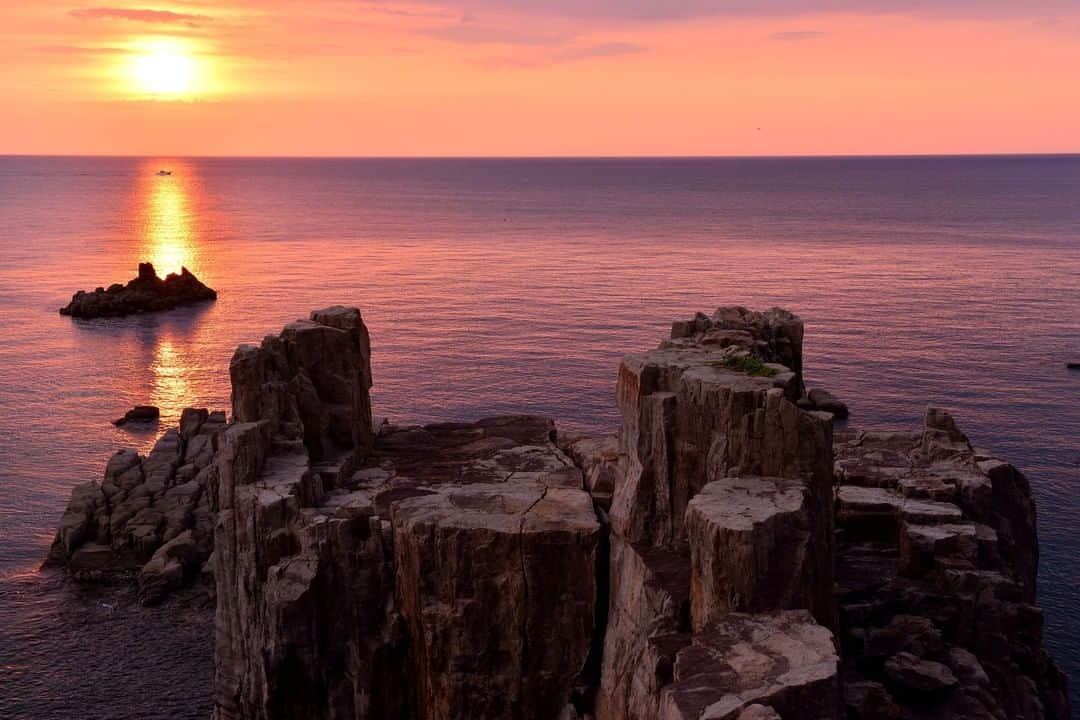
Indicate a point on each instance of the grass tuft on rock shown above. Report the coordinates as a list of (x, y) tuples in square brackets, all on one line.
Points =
[(748, 364)]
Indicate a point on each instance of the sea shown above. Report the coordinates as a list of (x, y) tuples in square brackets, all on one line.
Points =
[(503, 286)]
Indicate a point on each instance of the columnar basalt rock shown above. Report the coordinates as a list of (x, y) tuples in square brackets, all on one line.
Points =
[(311, 383), (750, 547), (437, 573), (496, 587), (599, 459), (781, 660), (722, 475)]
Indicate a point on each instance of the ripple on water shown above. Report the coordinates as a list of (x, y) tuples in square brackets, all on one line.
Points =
[(74, 652)]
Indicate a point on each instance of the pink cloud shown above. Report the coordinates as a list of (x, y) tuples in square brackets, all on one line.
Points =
[(140, 15)]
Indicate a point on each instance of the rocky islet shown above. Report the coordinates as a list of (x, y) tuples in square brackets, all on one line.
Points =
[(144, 293)]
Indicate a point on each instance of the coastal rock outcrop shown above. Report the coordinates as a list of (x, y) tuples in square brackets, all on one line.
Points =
[(725, 555), (937, 561), (684, 567), (145, 293), (148, 517), (818, 399)]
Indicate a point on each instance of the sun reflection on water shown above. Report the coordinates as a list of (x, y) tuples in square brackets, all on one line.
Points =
[(168, 226), (170, 389)]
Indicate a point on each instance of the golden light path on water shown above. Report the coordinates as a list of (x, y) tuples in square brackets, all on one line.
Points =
[(168, 226), (169, 239), (169, 389)]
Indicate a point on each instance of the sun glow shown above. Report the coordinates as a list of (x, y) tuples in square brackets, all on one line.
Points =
[(164, 70)]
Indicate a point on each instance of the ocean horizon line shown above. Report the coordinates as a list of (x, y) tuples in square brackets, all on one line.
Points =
[(823, 156)]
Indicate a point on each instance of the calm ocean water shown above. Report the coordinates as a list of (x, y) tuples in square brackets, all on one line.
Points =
[(495, 286)]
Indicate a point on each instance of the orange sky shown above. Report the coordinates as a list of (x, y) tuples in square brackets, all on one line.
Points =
[(525, 77)]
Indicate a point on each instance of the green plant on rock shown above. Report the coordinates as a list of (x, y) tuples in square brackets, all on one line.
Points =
[(749, 364)]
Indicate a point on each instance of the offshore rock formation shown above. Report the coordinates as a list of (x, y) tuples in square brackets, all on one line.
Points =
[(724, 556), (145, 293), (149, 516)]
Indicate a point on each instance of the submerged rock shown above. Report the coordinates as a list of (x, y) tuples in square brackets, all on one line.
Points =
[(145, 293), (827, 402), (139, 413)]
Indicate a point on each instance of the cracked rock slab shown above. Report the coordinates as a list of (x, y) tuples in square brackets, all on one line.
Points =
[(782, 660)]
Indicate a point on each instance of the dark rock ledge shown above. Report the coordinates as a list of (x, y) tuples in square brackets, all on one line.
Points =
[(727, 555), (145, 293)]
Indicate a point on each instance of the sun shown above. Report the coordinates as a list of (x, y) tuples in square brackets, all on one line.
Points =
[(164, 71)]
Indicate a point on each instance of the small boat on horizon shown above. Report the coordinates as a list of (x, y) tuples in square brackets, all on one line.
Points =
[(164, 172)]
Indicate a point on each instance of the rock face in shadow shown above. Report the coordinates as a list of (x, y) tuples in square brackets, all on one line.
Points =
[(937, 559), (750, 547), (149, 517), (145, 293), (310, 384)]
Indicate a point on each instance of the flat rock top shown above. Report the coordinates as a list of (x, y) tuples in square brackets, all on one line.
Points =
[(501, 473), (706, 364), (488, 450), (509, 508), (739, 503), (878, 499)]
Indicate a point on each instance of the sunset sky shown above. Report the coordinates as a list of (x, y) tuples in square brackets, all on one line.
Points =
[(528, 77)]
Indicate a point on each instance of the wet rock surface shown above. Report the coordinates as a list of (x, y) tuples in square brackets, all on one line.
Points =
[(145, 293)]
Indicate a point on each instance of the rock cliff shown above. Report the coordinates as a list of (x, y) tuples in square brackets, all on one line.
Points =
[(721, 529), (446, 571), (725, 555)]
